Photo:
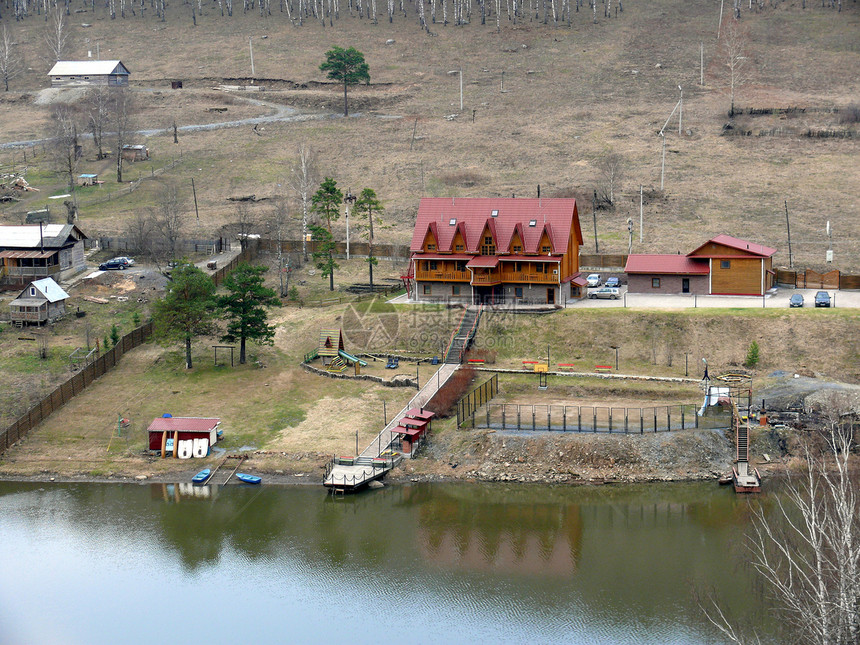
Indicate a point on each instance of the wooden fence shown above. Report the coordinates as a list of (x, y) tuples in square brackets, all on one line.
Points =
[(575, 418), (602, 260), (810, 279), (72, 387), (481, 395)]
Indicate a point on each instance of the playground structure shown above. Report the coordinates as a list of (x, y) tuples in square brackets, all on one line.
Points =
[(331, 351)]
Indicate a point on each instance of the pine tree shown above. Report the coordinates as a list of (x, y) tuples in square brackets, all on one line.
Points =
[(245, 307)]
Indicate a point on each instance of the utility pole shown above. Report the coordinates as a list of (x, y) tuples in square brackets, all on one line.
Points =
[(663, 163), (251, 47), (594, 216), (680, 110), (640, 213), (788, 229), (701, 63)]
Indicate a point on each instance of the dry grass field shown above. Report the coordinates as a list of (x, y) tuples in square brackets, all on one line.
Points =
[(572, 94)]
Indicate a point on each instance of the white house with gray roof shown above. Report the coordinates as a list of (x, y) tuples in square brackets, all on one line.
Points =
[(67, 73)]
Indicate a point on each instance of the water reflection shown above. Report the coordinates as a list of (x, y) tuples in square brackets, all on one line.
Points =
[(507, 562)]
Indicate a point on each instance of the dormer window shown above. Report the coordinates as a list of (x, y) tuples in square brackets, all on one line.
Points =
[(431, 247), (546, 249), (495, 213), (532, 223), (32, 291), (452, 221), (517, 249), (488, 247)]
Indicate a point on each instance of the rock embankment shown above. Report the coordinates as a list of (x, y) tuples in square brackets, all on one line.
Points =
[(574, 457)]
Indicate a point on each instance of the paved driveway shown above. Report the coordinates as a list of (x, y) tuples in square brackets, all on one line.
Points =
[(775, 300)]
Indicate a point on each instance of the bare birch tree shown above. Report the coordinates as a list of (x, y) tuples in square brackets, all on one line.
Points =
[(98, 109), (11, 65), (168, 224), (121, 108), (56, 34), (303, 178), (611, 166), (66, 146), (806, 545), (733, 53)]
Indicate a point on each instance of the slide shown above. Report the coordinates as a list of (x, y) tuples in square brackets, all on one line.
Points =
[(351, 359)]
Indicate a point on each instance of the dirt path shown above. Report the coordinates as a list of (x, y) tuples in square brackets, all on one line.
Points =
[(280, 113)]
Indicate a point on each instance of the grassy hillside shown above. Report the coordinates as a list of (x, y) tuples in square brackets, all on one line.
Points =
[(572, 95)]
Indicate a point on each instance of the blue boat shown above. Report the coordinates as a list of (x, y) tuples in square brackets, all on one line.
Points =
[(248, 479), (201, 477)]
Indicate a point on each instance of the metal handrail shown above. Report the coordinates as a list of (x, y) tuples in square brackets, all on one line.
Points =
[(471, 331)]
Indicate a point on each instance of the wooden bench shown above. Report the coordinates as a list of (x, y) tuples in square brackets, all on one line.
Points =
[(603, 368), (566, 366), (478, 361), (529, 362)]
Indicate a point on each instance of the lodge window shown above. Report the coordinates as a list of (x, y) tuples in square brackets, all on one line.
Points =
[(518, 249), (461, 265), (540, 268), (488, 248), (518, 292), (655, 283), (546, 249), (426, 289), (431, 247), (32, 291), (433, 265), (518, 266), (725, 264), (459, 247), (455, 290)]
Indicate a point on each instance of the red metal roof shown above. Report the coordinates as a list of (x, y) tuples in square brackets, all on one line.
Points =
[(409, 432), (470, 216), (445, 256), (414, 423), (578, 280), (183, 424), (27, 254), (530, 258), (665, 263), (420, 413), (488, 261), (742, 245)]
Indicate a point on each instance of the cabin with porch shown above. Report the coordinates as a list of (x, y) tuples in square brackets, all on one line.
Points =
[(723, 265), (40, 302), (32, 252), (496, 251)]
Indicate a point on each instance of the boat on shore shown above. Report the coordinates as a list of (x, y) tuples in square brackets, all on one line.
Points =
[(248, 479), (201, 477)]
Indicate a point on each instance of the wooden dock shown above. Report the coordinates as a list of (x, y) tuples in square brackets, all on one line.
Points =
[(347, 475)]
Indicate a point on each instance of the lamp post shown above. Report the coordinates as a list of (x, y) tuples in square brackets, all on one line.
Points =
[(680, 109), (348, 199), (686, 363), (460, 72), (663, 163)]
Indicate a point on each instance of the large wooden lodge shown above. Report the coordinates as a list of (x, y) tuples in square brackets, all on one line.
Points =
[(496, 250)]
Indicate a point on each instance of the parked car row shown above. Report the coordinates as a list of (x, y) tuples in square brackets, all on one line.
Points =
[(594, 280), (822, 299)]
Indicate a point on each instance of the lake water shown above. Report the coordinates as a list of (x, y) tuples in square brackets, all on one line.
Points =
[(420, 563)]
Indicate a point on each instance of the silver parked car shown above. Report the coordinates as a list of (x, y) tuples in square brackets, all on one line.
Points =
[(606, 292)]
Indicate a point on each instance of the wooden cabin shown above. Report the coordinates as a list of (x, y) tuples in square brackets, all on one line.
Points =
[(39, 251), (494, 251), (41, 301), (723, 265), (68, 73), (136, 152)]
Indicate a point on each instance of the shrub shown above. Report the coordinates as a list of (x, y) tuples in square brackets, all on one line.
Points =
[(444, 402), (752, 355), (114, 335)]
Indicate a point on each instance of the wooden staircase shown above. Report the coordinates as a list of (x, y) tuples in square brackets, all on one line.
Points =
[(463, 337)]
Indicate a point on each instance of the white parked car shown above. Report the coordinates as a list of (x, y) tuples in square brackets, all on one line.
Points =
[(127, 261), (593, 280)]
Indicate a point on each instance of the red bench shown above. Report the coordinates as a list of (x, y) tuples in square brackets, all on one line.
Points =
[(477, 360), (603, 368), (566, 366)]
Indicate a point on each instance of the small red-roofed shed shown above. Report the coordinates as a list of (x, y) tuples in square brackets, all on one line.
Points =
[(182, 429)]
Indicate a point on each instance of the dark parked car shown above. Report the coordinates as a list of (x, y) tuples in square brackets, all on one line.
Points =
[(822, 299), (612, 282), (796, 300), (115, 263)]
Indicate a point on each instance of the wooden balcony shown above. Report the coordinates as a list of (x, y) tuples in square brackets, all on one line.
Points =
[(531, 278), (443, 276), (491, 277)]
